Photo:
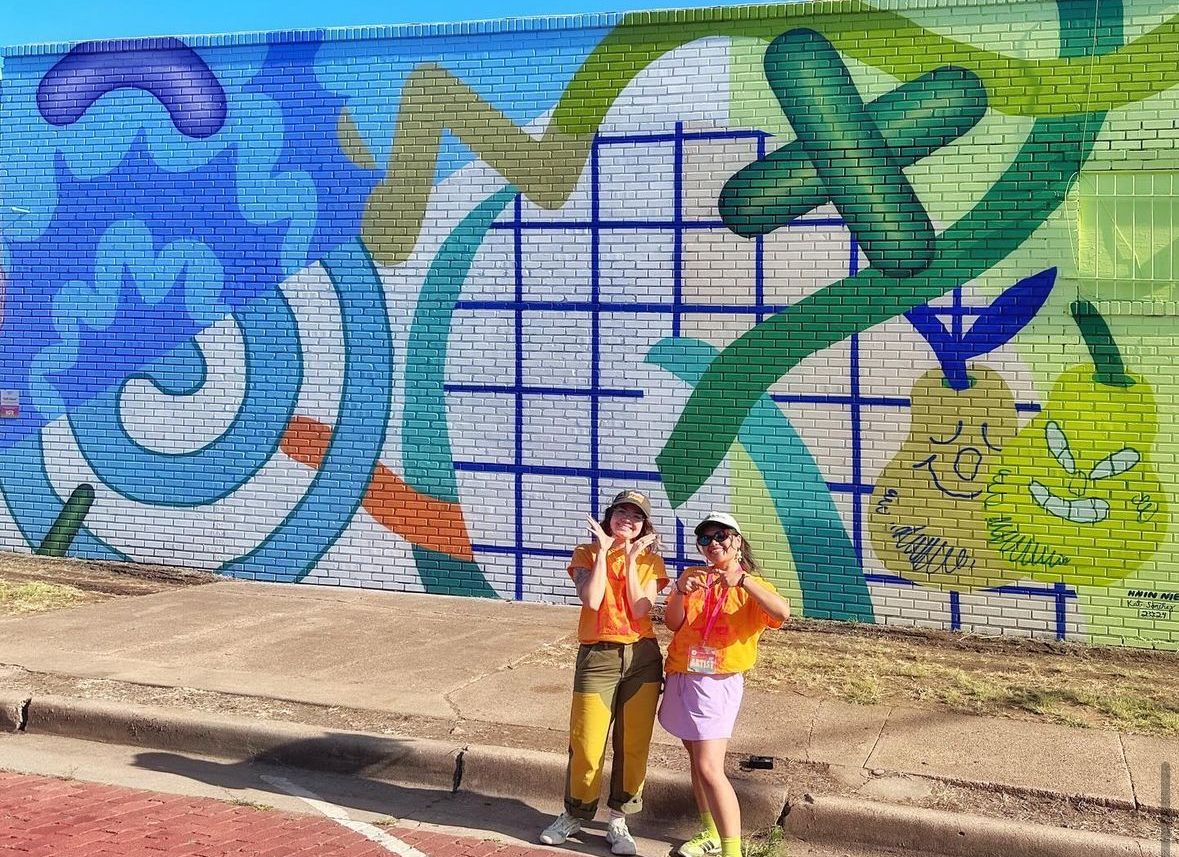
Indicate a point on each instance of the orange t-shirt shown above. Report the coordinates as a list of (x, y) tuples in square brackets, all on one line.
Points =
[(613, 622), (739, 625)]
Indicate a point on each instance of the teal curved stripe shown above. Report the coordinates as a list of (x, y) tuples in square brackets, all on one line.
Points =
[(428, 462), (1032, 187), (293, 548), (429, 467), (833, 585)]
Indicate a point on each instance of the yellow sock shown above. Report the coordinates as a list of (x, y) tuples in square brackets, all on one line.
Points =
[(730, 846), (709, 825)]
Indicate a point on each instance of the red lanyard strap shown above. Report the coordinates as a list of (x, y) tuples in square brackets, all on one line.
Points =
[(710, 622)]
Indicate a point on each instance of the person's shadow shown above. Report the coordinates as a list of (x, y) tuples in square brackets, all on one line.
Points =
[(351, 780)]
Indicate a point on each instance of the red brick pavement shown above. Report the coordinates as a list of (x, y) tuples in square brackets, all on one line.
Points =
[(44, 817)]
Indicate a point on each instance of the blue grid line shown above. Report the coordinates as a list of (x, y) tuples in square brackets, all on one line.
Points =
[(518, 249), (595, 323), (692, 136), (620, 393), (490, 305), (1045, 591), (677, 313), (955, 313), (541, 391), (759, 247), (853, 268), (574, 471), (681, 559), (1062, 594), (564, 305), (520, 552), (541, 225), (677, 258)]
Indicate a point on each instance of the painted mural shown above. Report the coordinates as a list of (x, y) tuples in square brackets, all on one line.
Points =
[(397, 308)]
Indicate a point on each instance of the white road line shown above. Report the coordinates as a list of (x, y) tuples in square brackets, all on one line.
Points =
[(338, 815)]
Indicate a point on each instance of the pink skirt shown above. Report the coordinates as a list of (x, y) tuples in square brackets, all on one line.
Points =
[(698, 707)]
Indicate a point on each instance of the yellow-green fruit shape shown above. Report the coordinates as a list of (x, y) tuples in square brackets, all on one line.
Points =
[(926, 518), (1075, 497)]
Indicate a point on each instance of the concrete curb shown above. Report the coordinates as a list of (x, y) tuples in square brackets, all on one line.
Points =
[(444, 765), (841, 821), (414, 761)]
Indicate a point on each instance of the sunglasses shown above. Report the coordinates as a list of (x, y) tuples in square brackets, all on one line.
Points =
[(706, 539)]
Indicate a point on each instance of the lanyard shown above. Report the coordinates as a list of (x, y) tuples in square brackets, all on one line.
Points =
[(714, 614)]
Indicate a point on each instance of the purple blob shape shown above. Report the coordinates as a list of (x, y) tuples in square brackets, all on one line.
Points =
[(166, 67)]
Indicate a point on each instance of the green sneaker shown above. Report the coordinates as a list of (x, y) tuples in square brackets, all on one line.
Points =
[(703, 844)]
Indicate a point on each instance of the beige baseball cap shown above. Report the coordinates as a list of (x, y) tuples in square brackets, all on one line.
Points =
[(635, 498), (723, 518)]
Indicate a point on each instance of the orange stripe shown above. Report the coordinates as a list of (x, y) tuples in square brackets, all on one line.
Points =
[(425, 521)]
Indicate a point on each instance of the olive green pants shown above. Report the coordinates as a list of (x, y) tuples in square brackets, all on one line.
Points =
[(615, 684)]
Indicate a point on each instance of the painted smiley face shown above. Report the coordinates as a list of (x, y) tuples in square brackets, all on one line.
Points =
[(1077, 506), (958, 478)]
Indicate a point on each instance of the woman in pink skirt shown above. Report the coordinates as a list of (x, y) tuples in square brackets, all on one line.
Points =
[(718, 613)]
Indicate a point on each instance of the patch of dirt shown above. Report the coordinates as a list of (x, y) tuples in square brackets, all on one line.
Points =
[(97, 579)]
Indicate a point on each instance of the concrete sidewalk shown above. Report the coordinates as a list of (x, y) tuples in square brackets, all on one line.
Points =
[(438, 657)]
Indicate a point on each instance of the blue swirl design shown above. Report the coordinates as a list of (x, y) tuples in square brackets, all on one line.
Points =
[(274, 374)]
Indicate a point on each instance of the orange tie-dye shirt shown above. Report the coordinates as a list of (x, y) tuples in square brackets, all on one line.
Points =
[(738, 627), (613, 621)]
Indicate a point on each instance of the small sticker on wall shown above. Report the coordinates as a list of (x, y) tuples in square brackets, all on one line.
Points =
[(9, 403)]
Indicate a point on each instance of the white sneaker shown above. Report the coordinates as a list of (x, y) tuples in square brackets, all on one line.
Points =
[(617, 834), (563, 826)]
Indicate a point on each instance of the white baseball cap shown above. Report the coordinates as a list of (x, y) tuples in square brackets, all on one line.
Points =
[(723, 518)]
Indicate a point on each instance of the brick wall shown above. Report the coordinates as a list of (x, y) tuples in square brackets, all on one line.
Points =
[(399, 307)]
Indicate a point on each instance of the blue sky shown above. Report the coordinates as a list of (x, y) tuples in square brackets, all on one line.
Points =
[(25, 21)]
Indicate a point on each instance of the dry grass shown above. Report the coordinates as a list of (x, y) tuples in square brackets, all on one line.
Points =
[(1071, 685)]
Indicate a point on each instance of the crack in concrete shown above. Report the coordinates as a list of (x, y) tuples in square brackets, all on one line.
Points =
[(879, 736), (1129, 771), (510, 665), (810, 731), (23, 718)]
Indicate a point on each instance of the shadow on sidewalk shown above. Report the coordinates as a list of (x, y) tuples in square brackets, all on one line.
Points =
[(347, 782)]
